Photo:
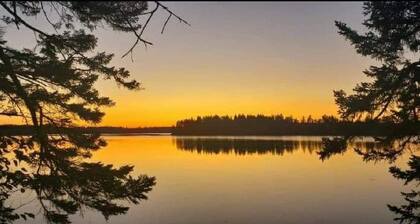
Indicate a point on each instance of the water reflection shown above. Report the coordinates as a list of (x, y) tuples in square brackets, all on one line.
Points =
[(342, 189), (387, 151), (244, 146), (261, 145), (325, 148), (384, 150), (409, 212), (62, 181), (330, 147)]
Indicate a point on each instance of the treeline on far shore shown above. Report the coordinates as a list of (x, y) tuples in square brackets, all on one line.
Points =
[(282, 125), (244, 125), (27, 130)]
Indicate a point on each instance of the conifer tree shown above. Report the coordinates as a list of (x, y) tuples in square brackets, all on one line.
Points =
[(393, 39), (52, 88)]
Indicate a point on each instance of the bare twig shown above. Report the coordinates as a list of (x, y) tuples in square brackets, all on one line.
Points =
[(9, 114), (166, 22), (138, 35), (170, 12), (14, 10), (151, 13)]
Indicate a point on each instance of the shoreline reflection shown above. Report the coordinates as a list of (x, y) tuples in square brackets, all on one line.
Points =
[(257, 145)]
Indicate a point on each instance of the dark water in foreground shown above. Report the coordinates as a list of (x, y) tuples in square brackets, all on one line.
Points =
[(268, 180)]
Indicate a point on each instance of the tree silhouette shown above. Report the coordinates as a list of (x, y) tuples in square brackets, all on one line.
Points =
[(332, 146), (243, 146), (393, 40), (409, 213), (52, 87), (278, 125)]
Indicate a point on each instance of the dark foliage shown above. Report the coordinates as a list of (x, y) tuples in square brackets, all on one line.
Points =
[(279, 125), (408, 213), (336, 145), (246, 146), (392, 39), (51, 87), (243, 146)]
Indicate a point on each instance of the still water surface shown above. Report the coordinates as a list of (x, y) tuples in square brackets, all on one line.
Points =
[(243, 180)]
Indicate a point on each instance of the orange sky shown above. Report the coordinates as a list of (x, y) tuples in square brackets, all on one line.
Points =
[(251, 58)]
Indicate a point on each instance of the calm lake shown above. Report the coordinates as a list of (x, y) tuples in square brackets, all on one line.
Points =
[(210, 180)]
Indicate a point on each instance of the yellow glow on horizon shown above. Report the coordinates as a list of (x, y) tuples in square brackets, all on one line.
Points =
[(283, 63), (166, 110), (147, 118)]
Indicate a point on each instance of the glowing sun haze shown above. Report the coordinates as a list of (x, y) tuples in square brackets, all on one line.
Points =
[(237, 57)]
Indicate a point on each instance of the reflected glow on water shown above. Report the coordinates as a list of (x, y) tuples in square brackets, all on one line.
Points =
[(251, 180)]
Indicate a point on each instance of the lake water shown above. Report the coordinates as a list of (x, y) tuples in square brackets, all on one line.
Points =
[(209, 180)]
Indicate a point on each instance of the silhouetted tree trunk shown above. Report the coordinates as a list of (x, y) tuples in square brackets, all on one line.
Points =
[(52, 88)]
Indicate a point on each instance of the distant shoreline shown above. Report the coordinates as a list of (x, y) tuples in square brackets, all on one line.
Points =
[(156, 131), (339, 129), (136, 134)]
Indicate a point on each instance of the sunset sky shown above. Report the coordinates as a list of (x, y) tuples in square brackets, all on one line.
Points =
[(251, 58)]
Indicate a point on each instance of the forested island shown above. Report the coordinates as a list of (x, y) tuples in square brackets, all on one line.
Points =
[(284, 125), (242, 125)]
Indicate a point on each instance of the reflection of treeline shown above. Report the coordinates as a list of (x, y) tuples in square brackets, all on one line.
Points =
[(244, 146), (27, 130), (279, 125), (254, 146)]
